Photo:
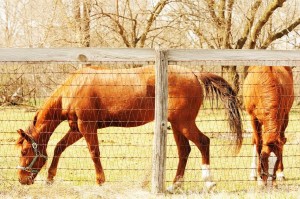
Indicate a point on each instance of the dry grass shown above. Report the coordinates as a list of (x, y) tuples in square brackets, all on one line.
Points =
[(123, 190), (126, 157)]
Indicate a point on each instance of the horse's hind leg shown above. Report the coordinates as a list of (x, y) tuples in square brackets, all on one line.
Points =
[(192, 133), (89, 131), (278, 168), (184, 149), (256, 137), (278, 161), (70, 138)]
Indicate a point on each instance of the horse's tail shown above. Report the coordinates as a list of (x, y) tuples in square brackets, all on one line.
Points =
[(218, 87)]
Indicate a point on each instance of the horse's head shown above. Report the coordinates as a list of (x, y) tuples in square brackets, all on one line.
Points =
[(33, 157)]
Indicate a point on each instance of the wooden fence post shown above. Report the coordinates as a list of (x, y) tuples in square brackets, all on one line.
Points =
[(160, 128)]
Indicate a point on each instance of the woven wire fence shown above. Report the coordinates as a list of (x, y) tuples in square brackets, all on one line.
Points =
[(126, 153), (232, 172)]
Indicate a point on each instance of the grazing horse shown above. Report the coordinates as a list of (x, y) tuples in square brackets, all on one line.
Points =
[(268, 97), (94, 98)]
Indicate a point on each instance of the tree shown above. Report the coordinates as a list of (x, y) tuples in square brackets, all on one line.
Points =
[(231, 24), (130, 23), (82, 13), (213, 24)]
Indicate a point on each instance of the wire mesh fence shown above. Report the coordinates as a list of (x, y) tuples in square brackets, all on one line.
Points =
[(25, 91), (233, 172), (126, 153)]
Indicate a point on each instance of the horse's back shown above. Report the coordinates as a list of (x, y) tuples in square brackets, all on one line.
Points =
[(122, 95)]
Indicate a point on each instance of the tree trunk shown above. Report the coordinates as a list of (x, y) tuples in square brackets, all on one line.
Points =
[(85, 24), (76, 14)]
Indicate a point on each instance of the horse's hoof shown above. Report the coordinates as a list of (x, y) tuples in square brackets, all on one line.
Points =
[(49, 181), (274, 184), (100, 183), (261, 184), (100, 180), (209, 186), (175, 188), (280, 176)]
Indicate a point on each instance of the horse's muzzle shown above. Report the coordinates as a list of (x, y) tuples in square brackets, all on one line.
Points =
[(26, 181)]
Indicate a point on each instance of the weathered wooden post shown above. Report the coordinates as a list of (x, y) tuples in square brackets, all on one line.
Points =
[(160, 128)]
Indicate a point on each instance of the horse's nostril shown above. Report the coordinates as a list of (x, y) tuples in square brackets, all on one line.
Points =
[(21, 181)]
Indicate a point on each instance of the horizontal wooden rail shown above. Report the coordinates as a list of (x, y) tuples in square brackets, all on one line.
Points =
[(76, 55), (199, 56), (236, 57)]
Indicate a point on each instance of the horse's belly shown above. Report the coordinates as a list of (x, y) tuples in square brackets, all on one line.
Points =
[(129, 118)]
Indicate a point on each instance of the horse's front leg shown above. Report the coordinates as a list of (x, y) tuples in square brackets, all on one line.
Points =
[(89, 132), (70, 138)]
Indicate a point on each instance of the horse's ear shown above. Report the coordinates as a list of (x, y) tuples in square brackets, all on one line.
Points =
[(24, 135), (21, 132), (20, 140)]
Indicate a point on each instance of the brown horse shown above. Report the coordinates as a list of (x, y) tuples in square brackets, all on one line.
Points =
[(91, 99), (268, 97)]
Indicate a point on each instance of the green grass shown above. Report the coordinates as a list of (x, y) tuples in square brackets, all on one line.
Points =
[(126, 157)]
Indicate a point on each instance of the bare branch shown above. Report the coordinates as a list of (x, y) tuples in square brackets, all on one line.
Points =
[(156, 11), (250, 19), (263, 20), (202, 37), (76, 14), (85, 24), (228, 24), (211, 6), (221, 11), (280, 34), (115, 19)]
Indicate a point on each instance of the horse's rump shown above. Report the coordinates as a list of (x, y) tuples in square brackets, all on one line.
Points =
[(268, 88), (268, 96)]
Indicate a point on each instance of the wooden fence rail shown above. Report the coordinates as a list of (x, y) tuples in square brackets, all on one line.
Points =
[(205, 57)]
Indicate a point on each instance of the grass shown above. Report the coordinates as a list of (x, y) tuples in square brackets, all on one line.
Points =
[(126, 158)]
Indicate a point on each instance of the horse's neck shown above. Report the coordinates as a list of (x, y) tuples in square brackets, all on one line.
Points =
[(48, 118), (44, 130)]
